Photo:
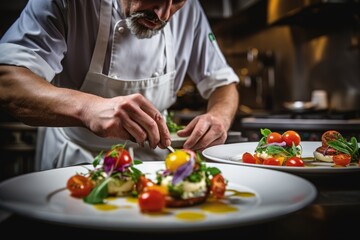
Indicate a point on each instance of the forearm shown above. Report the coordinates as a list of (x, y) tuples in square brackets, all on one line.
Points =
[(223, 103), (35, 101)]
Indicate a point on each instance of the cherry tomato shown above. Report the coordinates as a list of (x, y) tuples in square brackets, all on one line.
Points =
[(272, 161), (274, 137), (117, 158), (218, 186), (291, 137), (175, 159), (79, 186), (248, 158), (151, 200), (342, 159), (294, 162), (143, 183), (329, 136)]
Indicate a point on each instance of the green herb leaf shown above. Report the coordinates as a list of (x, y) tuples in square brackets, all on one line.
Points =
[(98, 194), (343, 146)]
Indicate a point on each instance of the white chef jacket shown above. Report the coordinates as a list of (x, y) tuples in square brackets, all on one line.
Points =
[(63, 51), (55, 39)]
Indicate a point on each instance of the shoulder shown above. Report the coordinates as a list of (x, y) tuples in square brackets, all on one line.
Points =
[(192, 10), (55, 7), (189, 19)]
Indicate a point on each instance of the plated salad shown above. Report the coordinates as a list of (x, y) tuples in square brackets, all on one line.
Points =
[(285, 150), (337, 150), (277, 149), (184, 181)]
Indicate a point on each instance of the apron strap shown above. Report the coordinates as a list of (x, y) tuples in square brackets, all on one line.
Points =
[(98, 58)]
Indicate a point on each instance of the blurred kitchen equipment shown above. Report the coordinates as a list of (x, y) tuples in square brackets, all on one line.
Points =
[(345, 101), (257, 78), (299, 106), (319, 99), (17, 146)]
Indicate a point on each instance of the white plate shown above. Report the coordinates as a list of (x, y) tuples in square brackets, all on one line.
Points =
[(41, 195), (232, 153)]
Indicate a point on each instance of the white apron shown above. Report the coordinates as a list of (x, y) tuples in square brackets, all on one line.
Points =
[(60, 147)]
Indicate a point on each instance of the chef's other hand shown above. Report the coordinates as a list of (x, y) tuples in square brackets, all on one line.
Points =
[(130, 117), (204, 131)]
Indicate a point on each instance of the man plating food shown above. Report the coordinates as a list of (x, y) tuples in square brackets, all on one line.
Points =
[(101, 72)]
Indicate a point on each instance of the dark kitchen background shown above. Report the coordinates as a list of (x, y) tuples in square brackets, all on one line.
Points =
[(298, 63)]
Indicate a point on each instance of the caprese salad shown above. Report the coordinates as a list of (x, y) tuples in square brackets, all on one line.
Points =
[(185, 181), (337, 150), (114, 174), (279, 149)]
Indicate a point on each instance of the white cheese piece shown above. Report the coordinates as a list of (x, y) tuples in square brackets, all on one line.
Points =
[(321, 157)]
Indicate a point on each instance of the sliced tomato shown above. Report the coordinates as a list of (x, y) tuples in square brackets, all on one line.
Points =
[(143, 183), (272, 161), (294, 162), (79, 186), (218, 186), (248, 158), (151, 201), (117, 158), (342, 159), (329, 136), (274, 137), (291, 137)]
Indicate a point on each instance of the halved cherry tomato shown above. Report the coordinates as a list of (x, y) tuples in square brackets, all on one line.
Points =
[(248, 158), (117, 158), (274, 137), (329, 136), (342, 159), (291, 137), (294, 162), (79, 186), (218, 186), (175, 159), (272, 161), (143, 183), (151, 201)]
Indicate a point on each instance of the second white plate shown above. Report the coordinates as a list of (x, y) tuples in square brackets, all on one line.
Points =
[(232, 153)]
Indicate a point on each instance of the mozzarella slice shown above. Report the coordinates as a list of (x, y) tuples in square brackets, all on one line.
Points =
[(323, 158)]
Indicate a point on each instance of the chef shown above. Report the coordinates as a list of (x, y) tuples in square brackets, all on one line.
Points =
[(95, 73)]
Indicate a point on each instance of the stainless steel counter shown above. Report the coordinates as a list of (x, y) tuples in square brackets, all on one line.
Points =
[(309, 129), (301, 124)]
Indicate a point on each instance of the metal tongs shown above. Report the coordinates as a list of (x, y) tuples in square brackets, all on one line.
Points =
[(170, 148)]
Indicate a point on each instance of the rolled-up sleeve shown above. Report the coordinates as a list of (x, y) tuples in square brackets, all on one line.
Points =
[(36, 40), (17, 55), (198, 51)]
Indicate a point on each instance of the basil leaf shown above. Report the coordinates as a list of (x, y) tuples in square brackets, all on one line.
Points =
[(98, 194)]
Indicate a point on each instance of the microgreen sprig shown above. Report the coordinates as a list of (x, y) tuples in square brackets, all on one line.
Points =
[(348, 147)]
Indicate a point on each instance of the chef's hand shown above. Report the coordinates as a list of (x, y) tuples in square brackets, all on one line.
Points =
[(211, 128), (204, 131), (130, 117)]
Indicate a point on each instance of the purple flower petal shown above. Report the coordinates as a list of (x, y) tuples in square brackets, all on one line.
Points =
[(325, 150), (282, 144), (183, 171)]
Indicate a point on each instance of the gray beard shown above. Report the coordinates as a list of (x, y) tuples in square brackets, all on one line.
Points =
[(139, 30)]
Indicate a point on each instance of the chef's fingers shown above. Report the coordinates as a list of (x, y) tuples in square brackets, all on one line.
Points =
[(203, 131), (141, 111)]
